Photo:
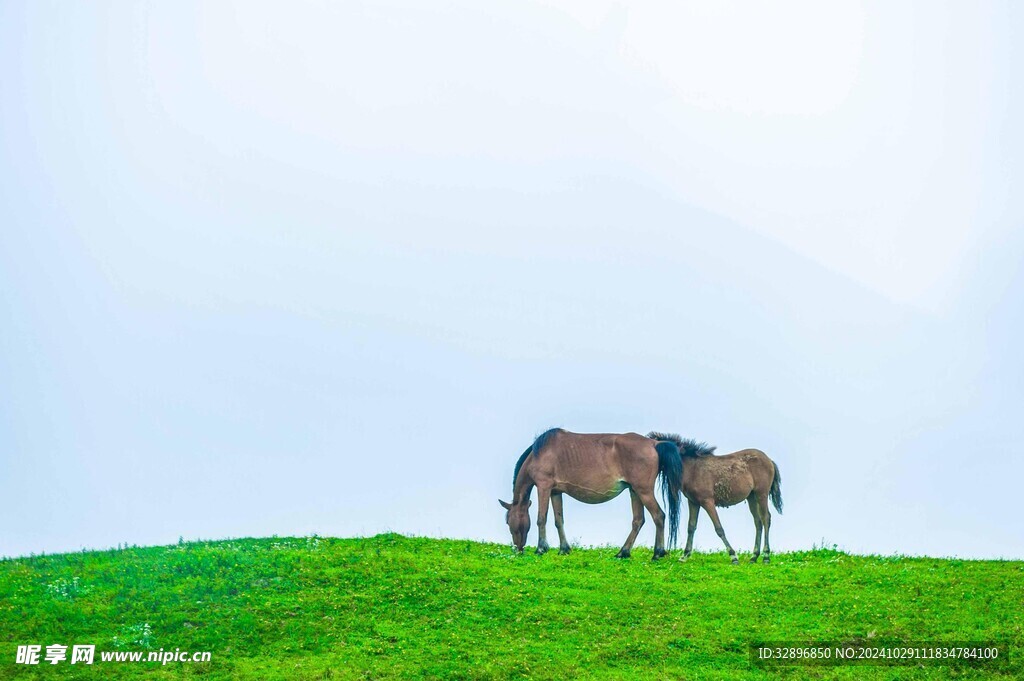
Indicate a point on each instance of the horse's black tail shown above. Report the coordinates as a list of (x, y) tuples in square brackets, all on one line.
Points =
[(775, 493), (670, 466)]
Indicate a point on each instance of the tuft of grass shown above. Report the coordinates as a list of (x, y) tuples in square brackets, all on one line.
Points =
[(402, 607)]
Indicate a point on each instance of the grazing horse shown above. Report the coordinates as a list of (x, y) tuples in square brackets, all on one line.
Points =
[(710, 481), (595, 469)]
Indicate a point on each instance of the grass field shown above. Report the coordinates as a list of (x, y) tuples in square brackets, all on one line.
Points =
[(392, 606)]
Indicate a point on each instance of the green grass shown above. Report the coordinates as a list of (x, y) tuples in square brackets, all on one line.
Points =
[(392, 606)]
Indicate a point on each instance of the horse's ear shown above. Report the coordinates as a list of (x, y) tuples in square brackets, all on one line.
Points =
[(507, 506)]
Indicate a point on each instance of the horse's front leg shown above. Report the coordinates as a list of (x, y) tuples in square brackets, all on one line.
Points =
[(543, 495), (638, 522), (709, 507), (691, 527), (556, 506)]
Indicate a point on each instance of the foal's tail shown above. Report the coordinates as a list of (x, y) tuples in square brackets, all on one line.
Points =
[(775, 493), (670, 466)]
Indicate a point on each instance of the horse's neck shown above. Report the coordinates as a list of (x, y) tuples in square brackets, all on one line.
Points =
[(523, 486), (693, 464)]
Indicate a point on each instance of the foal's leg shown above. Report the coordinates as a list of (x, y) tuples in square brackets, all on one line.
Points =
[(691, 526), (766, 518), (709, 506), (638, 522), (556, 506), (756, 512), (543, 494), (651, 504)]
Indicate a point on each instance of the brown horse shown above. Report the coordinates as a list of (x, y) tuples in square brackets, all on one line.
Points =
[(595, 469), (710, 481)]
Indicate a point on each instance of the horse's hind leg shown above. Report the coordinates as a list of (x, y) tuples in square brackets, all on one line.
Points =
[(543, 495), (756, 512), (556, 506), (766, 519), (691, 527), (709, 506), (638, 522), (651, 504)]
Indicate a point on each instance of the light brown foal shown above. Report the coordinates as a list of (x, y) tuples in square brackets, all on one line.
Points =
[(710, 481), (594, 469)]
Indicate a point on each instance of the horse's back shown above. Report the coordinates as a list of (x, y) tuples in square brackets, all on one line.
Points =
[(749, 455), (626, 449), (761, 467), (567, 450), (754, 459), (594, 444)]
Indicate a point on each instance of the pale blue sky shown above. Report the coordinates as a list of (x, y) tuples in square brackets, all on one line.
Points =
[(329, 267)]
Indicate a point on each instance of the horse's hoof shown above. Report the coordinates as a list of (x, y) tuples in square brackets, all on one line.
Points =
[(754, 559), (767, 560), (622, 554), (659, 553), (735, 560), (541, 551), (683, 558), (564, 550)]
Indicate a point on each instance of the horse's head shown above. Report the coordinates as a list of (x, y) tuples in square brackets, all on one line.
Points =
[(518, 518)]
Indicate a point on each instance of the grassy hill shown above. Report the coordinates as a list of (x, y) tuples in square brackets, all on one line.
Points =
[(392, 606)]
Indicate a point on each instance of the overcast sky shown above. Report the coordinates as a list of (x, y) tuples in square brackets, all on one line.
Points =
[(330, 266)]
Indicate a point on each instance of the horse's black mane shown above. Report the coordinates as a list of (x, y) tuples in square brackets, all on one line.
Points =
[(537, 445), (687, 446), (519, 464), (543, 438)]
